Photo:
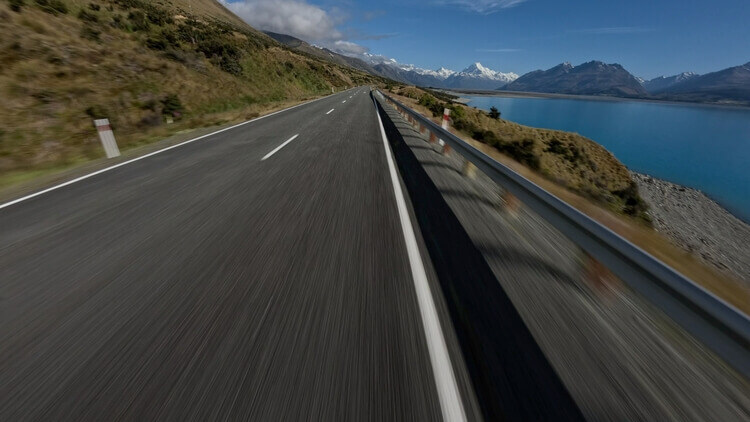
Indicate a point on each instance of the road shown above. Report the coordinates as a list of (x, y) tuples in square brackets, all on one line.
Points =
[(207, 282), (269, 271)]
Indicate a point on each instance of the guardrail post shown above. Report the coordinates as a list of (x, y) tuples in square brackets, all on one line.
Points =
[(433, 138), (446, 122), (421, 128), (469, 170), (597, 274), (512, 203)]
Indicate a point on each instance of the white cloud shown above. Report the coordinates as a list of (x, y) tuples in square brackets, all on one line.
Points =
[(349, 48), (291, 17), (482, 6)]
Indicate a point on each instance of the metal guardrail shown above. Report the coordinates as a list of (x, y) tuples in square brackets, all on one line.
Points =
[(717, 324)]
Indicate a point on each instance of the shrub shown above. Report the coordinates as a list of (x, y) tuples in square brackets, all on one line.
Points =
[(172, 106), (138, 21), (634, 204), (96, 111), (95, 7), (16, 5), (87, 16), (53, 7), (157, 16), (522, 151), (156, 43), (90, 33), (494, 112), (230, 65)]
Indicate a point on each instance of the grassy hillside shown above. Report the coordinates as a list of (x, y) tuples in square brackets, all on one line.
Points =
[(565, 158), (139, 63)]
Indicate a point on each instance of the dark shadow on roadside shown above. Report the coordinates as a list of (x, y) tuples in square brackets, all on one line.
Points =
[(511, 376), (518, 258)]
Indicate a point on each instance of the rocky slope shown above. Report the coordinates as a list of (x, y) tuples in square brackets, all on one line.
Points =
[(698, 224)]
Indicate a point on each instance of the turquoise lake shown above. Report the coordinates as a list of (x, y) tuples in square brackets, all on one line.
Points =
[(704, 147)]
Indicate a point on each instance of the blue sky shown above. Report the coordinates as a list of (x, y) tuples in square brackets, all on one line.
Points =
[(650, 38)]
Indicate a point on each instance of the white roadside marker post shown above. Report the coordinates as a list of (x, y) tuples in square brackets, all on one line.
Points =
[(446, 122), (107, 137)]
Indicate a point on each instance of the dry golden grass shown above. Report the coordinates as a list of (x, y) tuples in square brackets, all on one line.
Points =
[(632, 229)]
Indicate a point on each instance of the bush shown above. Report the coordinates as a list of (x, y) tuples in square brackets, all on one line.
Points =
[(53, 7), (90, 33), (172, 106), (138, 21), (96, 112), (95, 7), (156, 43), (16, 5), (230, 65), (634, 204), (494, 112), (87, 16), (522, 151)]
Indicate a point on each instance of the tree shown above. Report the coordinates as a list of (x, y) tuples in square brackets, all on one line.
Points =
[(494, 112)]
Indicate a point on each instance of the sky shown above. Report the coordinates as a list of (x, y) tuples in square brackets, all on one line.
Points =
[(648, 37)]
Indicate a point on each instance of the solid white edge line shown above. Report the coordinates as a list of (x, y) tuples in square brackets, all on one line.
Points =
[(279, 147), (445, 380), (104, 170), (330, 111)]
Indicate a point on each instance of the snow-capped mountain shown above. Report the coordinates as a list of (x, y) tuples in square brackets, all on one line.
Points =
[(661, 83), (475, 76), (444, 73), (478, 71)]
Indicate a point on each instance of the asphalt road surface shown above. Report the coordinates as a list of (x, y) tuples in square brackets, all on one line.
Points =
[(240, 276), (265, 272)]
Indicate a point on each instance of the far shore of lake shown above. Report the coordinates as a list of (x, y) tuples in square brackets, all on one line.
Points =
[(525, 94)]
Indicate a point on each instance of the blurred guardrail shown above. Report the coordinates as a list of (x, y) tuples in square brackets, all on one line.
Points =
[(717, 324)]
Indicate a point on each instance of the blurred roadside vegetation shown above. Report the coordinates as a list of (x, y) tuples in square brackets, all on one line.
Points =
[(141, 64)]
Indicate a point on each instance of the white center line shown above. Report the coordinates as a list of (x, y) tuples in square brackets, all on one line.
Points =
[(445, 380), (279, 147), (343, 102), (330, 111)]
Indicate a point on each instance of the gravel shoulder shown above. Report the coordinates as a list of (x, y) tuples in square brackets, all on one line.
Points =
[(698, 224)]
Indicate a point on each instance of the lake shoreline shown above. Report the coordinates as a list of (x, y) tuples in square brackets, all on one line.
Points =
[(606, 98), (698, 224)]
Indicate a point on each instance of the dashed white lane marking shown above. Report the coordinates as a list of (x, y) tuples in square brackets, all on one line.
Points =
[(279, 147), (343, 102), (330, 111), (450, 398), (104, 170)]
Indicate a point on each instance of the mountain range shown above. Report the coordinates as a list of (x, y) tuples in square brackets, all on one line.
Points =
[(591, 78), (727, 86), (661, 83), (731, 85), (474, 76)]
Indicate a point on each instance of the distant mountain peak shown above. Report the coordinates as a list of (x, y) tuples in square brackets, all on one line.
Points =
[(661, 83), (477, 70), (591, 78)]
